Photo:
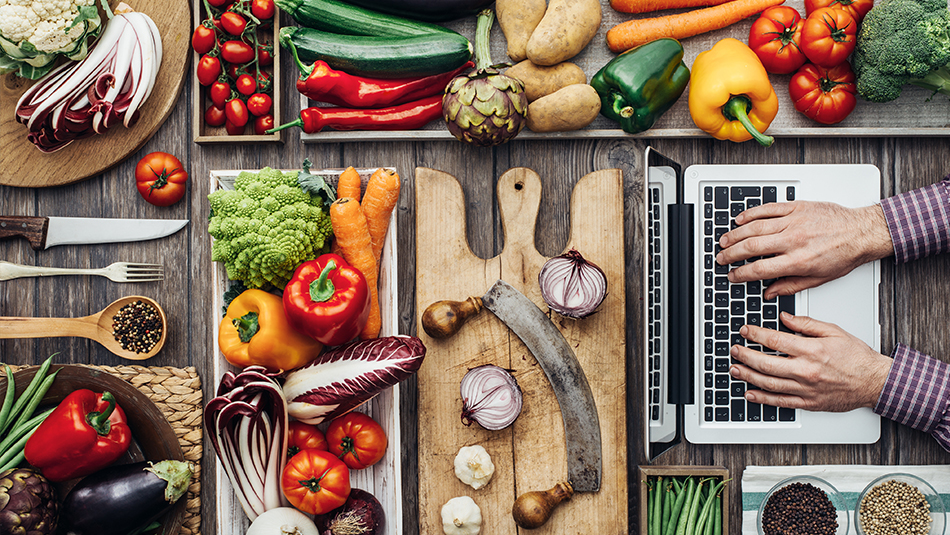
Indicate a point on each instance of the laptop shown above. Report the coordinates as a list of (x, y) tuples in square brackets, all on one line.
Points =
[(693, 313)]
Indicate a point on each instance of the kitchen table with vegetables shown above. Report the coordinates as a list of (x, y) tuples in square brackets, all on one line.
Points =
[(280, 425)]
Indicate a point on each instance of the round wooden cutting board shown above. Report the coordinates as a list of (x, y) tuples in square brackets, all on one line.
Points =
[(22, 164)]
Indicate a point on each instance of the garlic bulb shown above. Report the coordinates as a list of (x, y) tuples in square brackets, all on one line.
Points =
[(473, 466), (461, 516), (282, 521)]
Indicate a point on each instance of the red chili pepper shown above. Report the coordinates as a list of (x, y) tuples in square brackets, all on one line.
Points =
[(84, 433), (408, 116), (328, 300)]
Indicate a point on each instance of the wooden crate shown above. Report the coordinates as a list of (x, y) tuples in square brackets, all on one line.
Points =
[(682, 471), (199, 99), (383, 479)]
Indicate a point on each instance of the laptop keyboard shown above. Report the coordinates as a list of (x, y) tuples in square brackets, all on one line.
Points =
[(727, 307), (654, 324)]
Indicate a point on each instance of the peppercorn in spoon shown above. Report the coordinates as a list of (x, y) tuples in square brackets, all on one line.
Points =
[(132, 327)]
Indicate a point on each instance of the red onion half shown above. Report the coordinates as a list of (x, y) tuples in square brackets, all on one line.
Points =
[(490, 397), (571, 285)]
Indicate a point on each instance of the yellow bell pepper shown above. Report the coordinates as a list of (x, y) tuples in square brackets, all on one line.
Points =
[(255, 331), (730, 96)]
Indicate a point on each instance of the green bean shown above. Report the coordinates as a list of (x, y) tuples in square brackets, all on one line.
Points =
[(678, 484), (27, 395), (694, 509), (657, 506), (691, 499), (20, 457), (17, 448), (717, 517), (8, 398), (667, 508), (675, 511), (35, 402), (651, 497), (17, 432), (703, 518)]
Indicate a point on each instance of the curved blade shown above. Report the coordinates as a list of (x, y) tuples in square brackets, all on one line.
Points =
[(578, 411)]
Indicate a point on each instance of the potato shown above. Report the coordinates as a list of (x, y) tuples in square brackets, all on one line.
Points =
[(567, 27), (540, 80), (518, 19), (570, 108)]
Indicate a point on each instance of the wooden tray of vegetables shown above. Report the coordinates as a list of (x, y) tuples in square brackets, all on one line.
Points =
[(913, 113)]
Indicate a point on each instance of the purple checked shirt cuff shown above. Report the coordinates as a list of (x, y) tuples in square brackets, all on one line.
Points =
[(917, 394), (919, 221)]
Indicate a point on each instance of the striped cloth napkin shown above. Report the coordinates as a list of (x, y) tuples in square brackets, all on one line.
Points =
[(850, 480)]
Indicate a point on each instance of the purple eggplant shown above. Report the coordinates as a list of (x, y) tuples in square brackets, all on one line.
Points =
[(119, 499)]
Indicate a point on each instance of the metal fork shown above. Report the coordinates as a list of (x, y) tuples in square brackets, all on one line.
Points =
[(116, 272)]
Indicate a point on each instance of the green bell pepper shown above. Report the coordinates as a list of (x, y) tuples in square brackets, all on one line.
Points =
[(638, 86)]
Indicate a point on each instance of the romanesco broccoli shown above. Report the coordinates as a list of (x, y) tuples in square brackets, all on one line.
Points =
[(266, 226)]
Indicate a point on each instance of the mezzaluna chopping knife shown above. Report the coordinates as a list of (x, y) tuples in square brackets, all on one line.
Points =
[(45, 232), (578, 411)]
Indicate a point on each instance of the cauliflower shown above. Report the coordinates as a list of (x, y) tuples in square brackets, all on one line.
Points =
[(266, 226), (34, 32)]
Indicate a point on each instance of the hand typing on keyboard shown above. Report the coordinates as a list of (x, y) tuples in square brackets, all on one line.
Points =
[(803, 244), (825, 370)]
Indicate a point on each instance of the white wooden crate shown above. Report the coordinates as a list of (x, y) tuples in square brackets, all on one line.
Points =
[(383, 479)]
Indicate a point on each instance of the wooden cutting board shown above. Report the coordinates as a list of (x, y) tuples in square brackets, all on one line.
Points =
[(22, 164), (529, 455)]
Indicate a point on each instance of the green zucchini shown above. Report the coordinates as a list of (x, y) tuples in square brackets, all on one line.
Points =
[(335, 16), (379, 57)]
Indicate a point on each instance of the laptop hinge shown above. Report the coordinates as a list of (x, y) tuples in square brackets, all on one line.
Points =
[(680, 318)]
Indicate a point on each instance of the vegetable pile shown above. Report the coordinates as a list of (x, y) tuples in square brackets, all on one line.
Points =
[(690, 505), (33, 35)]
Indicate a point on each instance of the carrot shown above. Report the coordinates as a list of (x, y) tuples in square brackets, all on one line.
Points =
[(382, 193), (646, 6), (349, 185), (636, 32), (352, 235)]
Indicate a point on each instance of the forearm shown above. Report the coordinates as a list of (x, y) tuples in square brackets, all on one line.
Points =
[(919, 221), (917, 394)]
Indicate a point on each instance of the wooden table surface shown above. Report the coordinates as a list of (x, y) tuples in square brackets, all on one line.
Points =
[(915, 298)]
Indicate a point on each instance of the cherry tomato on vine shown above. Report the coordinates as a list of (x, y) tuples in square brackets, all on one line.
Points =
[(775, 38), (160, 178), (263, 82), (356, 439), (237, 52), (259, 104), (245, 84), (828, 36), (315, 481), (265, 55), (824, 95), (301, 436), (208, 70), (857, 8), (220, 3), (236, 111), (262, 9), (219, 93), (263, 123), (204, 39), (233, 129), (233, 23), (214, 116)]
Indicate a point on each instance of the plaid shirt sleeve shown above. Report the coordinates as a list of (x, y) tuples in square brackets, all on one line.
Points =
[(917, 394), (919, 221)]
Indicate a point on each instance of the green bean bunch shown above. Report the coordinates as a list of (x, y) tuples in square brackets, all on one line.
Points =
[(689, 505), (17, 418)]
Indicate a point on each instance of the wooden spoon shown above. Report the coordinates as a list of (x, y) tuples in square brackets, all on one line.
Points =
[(97, 327)]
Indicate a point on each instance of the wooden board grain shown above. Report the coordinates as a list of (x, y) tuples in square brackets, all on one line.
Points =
[(22, 164), (529, 455)]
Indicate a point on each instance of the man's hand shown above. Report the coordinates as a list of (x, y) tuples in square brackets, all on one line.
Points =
[(825, 370), (803, 244)]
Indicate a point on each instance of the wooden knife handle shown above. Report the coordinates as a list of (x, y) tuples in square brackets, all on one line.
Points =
[(444, 318), (532, 509), (32, 228)]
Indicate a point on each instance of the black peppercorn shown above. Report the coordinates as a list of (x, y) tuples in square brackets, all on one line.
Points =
[(799, 509)]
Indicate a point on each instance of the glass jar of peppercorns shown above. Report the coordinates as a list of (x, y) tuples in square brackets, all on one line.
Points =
[(803, 505), (901, 504)]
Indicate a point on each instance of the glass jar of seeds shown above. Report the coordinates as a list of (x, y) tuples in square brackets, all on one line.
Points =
[(899, 504), (803, 505)]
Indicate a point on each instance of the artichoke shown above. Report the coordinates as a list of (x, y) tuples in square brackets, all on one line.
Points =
[(485, 107), (28, 503)]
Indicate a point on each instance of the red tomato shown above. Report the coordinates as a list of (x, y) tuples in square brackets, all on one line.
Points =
[(237, 52), (234, 129), (824, 95), (219, 93), (236, 112), (357, 439), (262, 9), (857, 8), (265, 55), (204, 39), (233, 23), (774, 38), (263, 123), (301, 436), (315, 481), (214, 116), (828, 36), (245, 84), (263, 82), (160, 178), (259, 104), (220, 3), (209, 68)]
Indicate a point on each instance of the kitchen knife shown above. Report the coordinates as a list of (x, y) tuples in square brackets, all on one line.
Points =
[(45, 232), (560, 365)]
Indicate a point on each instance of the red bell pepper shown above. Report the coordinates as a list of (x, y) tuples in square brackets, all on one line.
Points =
[(408, 116), (85, 433), (328, 300)]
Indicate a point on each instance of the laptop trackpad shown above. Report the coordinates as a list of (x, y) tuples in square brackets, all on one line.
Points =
[(848, 302)]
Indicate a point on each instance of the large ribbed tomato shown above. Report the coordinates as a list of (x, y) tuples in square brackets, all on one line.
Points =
[(775, 37), (356, 439), (824, 95), (160, 178), (315, 481), (828, 36)]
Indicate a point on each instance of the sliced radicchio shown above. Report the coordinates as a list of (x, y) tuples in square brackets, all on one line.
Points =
[(345, 377)]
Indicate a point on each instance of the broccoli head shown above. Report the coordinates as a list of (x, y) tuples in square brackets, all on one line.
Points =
[(903, 42), (266, 226)]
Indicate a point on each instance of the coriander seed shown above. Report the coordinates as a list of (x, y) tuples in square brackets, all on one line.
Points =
[(895, 508)]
